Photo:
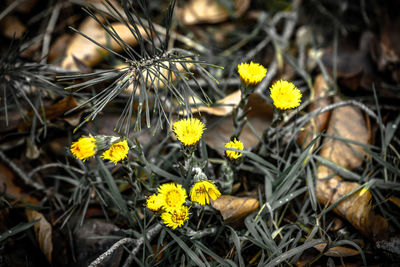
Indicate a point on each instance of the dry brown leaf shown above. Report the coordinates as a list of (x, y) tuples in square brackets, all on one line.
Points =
[(220, 129), (348, 122), (88, 52), (57, 110), (338, 251), (59, 47), (318, 123), (6, 180), (43, 232), (208, 11), (12, 27), (235, 209)]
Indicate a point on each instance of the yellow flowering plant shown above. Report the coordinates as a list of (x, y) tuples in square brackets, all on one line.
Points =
[(155, 203), (189, 131), (234, 144), (285, 95), (117, 151), (203, 191), (176, 217), (251, 73), (173, 195), (84, 148)]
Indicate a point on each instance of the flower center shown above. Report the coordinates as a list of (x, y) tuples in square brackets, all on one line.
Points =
[(172, 198), (178, 216)]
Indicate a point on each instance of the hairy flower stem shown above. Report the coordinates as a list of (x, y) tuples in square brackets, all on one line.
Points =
[(239, 113)]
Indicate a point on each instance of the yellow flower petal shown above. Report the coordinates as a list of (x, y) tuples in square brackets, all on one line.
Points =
[(84, 148), (202, 191), (173, 195), (117, 152), (155, 203), (188, 131), (285, 95), (176, 217), (234, 144), (251, 73)]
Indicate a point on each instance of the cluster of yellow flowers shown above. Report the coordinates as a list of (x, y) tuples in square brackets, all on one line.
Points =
[(170, 201), (86, 147), (285, 95)]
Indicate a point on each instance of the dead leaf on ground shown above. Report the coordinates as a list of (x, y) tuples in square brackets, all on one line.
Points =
[(88, 52), (235, 209), (354, 65), (220, 124), (56, 111), (338, 251), (43, 232), (209, 11), (319, 122), (348, 122), (7, 178), (12, 27)]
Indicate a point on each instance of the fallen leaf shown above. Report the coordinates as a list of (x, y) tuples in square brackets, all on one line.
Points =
[(12, 27), (209, 11), (348, 122), (338, 251), (319, 122), (59, 47), (56, 111), (235, 209), (11, 189), (90, 53), (43, 232)]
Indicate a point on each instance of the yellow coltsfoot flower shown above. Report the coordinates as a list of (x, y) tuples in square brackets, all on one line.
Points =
[(155, 203), (117, 151), (251, 73), (188, 131), (176, 217), (234, 144), (202, 191), (173, 195), (285, 95), (84, 148)]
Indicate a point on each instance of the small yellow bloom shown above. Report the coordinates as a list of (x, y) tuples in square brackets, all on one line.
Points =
[(155, 203), (173, 195), (234, 144), (117, 152), (84, 148), (189, 131), (202, 191), (251, 73), (176, 217), (285, 95)]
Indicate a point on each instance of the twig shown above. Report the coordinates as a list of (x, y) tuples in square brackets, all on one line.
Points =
[(10, 8), (49, 30), (151, 233), (111, 250), (20, 172)]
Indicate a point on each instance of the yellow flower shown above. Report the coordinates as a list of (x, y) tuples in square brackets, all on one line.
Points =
[(176, 217), (84, 148), (285, 95), (202, 191), (251, 73), (155, 203), (189, 131), (173, 195), (234, 144), (117, 152)]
